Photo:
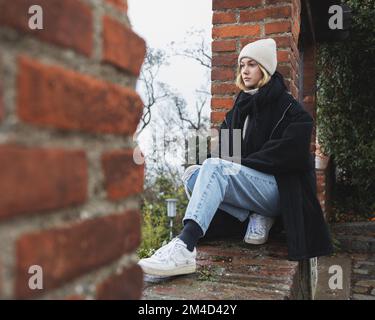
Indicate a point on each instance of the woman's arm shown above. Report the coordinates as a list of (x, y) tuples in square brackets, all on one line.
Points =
[(290, 153)]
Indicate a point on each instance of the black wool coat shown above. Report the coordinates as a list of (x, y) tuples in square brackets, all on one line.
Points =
[(284, 130)]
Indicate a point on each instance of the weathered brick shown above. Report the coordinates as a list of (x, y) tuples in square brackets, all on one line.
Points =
[(235, 31), (285, 71), (36, 179), (120, 4), (360, 289), (282, 56), (67, 23), (363, 297), (226, 103), (260, 14), (51, 96), (1, 103), (277, 27), (127, 285), (222, 74), (224, 60), (217, 116), (283, 41), (122, 47), (277, 1), (246, 40), (221, 46), (223, 88), (75, 249), (234, 4), (123, 177), (223, 17)]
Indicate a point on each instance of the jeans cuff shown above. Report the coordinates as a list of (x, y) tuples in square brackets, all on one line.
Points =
[(196, 220)]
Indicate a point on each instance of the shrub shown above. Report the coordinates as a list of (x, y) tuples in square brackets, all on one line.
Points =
[(346, 110), (155, 222)]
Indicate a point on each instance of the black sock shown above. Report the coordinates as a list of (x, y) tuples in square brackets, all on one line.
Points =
[(190, 234)]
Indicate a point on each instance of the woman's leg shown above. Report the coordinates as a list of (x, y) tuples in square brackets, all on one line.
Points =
[(240, 189), (237, 212), (223, 224), (216, 183)]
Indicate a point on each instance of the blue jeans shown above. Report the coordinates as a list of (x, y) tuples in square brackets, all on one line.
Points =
[(234, 188)]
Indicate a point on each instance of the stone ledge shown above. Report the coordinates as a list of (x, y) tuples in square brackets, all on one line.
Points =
[(232, 269)]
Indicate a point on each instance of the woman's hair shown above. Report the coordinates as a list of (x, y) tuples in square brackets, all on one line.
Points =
[(240, 84)]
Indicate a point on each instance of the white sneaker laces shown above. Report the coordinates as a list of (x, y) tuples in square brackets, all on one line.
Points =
[(164, 253)]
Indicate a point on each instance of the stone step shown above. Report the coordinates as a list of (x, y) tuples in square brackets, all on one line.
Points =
[(233, 270), (355, 236), (354, 228)]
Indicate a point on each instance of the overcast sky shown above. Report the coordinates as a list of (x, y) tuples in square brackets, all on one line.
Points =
[(159, 22)]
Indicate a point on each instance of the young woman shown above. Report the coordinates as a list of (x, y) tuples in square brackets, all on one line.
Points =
[(274, 176)]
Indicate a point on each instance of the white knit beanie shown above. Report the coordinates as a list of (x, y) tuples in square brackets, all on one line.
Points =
[(262, 51)]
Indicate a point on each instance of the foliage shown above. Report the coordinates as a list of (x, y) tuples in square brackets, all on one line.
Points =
[(346, 110), (155, 223)]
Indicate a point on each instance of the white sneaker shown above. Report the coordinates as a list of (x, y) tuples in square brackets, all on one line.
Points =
[(258, 229), (170, 260)]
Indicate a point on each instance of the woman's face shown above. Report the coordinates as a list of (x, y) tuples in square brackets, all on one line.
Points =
[(250, 72)]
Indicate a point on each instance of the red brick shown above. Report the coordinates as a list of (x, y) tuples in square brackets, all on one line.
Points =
[(122, 47), (235, 31), (278, 27), (245, 41), (70, 251), (277, 1), (51, 96), (67, 23), (226, 103), (221, 46), (123, 177), (222, 74), (124, 286), (35, 179), (1, 93), (283, 42), (217, 116), (282, 56), (224, 60), (260, 14), (119, 4), (223, 17), (285, 71), (234, 4), (224, 88)]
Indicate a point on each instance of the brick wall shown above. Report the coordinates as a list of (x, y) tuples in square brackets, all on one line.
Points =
[(238, 22), (68, 183)]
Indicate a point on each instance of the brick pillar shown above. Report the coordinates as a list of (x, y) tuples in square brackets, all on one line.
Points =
[(323, 164), (238, 22), (69, 186)]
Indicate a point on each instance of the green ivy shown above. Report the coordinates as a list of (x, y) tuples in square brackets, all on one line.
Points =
[(346, 109)]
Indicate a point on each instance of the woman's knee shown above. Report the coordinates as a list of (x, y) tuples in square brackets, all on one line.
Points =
[(212, 162), (189, 182)]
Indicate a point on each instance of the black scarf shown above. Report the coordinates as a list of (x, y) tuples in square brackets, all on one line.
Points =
[(259, 107)]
